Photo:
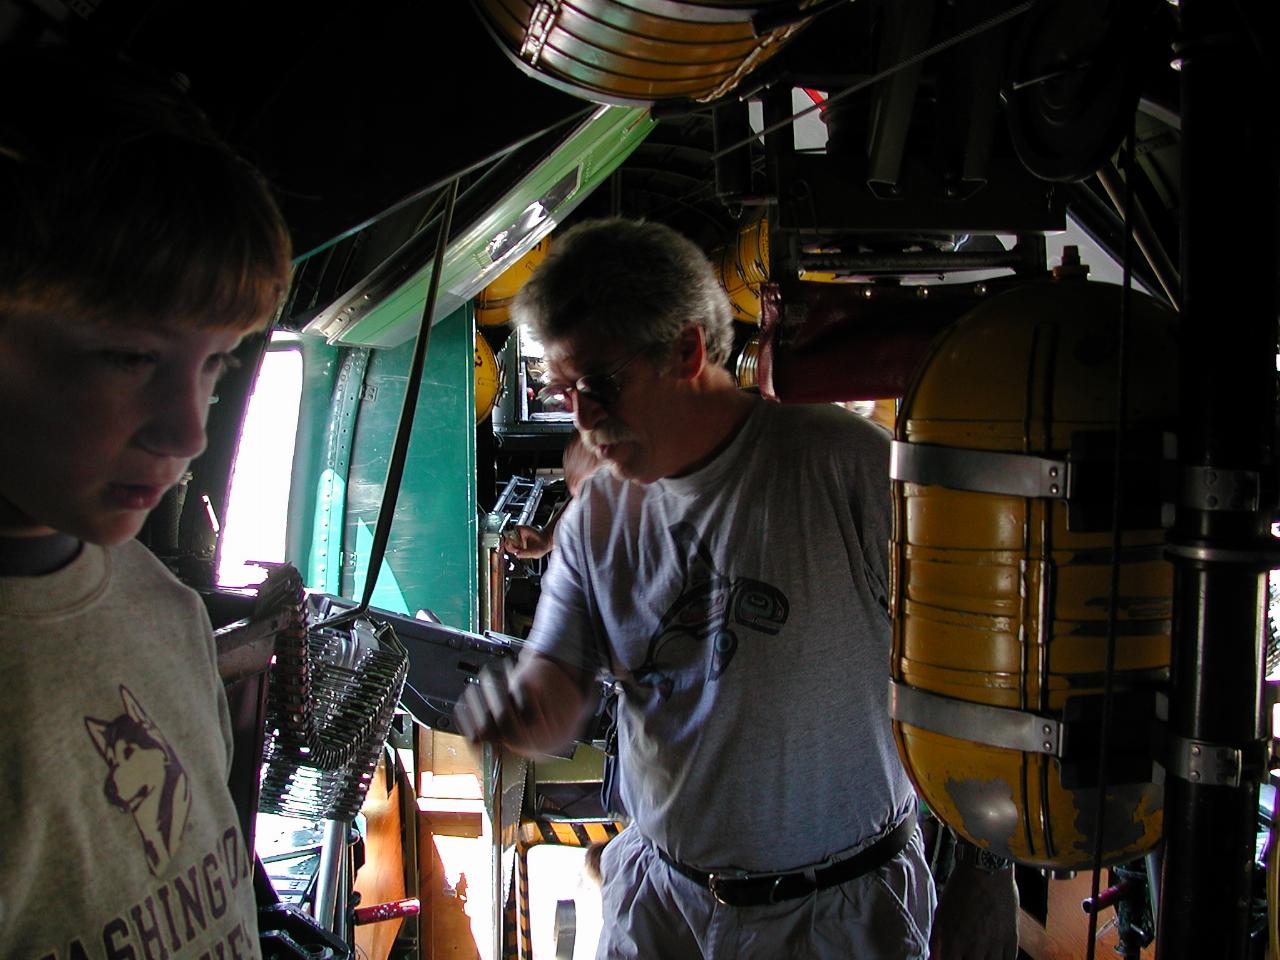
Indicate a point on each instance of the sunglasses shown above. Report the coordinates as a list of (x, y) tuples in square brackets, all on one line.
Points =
[(601, 388)]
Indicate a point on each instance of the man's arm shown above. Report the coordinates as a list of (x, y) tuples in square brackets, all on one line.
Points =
[(533, 709), (977, 915), (528, 543)]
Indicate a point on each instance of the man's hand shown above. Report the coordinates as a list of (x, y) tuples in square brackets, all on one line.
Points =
[(977, 916), (527, 543), (533, 709)]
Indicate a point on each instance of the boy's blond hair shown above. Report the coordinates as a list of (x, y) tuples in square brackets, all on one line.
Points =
[(118, 201)]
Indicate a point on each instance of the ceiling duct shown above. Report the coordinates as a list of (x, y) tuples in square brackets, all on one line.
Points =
[(636, 53)]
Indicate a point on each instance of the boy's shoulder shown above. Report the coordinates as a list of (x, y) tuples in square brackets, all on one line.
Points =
[(137, 575)]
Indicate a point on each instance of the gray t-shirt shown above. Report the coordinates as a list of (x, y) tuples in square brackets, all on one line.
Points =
[(123, 840), (743, 608)]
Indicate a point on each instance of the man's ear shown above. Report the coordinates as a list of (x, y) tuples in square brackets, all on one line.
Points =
[(689, 353)]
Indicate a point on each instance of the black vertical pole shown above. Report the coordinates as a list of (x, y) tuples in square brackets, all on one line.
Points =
[(1221, 539)]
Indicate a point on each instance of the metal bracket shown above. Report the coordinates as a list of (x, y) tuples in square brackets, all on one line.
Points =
[(1212, 764), (1264, 555), (1209, 488), (977, 722), (980, 471)]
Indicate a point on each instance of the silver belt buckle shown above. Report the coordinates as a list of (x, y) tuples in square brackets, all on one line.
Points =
[(714, 880)]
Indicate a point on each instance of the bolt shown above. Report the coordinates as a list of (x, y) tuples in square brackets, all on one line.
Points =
[(866, 293), (1047, 729), (1213, 501), (1048, 745), (1195, 774), (922, 292), (1195, 751), (1212, 478), (980, 289), (1053, 471), (1053, 489)]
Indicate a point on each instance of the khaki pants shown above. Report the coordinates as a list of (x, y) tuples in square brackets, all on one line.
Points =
[(653, 913)]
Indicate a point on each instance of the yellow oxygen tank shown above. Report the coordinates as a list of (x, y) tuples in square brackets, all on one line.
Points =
[(1001, 564), (488, 379), (493, 303), (742, 266)]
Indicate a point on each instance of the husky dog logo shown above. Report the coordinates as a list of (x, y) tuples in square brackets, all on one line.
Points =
[(709, 608), (144, 778)]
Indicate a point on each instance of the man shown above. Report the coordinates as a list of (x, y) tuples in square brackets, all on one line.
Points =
[(729, 570)]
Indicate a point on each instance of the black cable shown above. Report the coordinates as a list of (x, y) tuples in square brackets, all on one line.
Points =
[(1117, 532), (911, 61), (770, 19), (404, 428)]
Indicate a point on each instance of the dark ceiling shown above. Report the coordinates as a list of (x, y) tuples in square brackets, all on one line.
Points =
[(988, 117)]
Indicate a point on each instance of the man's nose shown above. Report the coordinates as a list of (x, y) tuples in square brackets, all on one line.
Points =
[(588, 413), (180, 407)]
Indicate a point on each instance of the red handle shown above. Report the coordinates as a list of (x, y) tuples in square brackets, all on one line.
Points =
[(388, 911)]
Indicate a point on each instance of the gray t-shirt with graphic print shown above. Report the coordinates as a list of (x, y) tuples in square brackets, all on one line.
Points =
[(743, 608)]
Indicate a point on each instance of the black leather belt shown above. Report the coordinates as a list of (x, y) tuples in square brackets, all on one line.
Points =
[(740, 888)]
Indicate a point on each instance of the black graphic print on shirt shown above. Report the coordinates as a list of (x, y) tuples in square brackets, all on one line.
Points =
[(144, 778), (708, 612)]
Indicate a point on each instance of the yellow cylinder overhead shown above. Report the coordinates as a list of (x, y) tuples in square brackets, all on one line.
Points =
[(1001, 563), (635, 52)]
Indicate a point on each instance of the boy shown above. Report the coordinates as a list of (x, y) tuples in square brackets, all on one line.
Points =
[(135, 252)]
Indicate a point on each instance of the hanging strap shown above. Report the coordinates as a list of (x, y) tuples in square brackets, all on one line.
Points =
[(404, 428)]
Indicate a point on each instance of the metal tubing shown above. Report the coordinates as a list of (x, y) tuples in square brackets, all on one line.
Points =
[(1227, 399), (1143, 233), (330, 888)]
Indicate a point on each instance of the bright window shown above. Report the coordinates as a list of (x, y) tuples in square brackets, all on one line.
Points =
[(258, 506)]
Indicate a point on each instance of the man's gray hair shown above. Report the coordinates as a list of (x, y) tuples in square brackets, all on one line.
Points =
[(626, 281)]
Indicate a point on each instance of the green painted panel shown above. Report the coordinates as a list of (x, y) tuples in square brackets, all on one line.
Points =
[(320, 364), (330, 487), (431, 559)]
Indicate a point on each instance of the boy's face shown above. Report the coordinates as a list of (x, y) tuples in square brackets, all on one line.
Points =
[(99, 420)]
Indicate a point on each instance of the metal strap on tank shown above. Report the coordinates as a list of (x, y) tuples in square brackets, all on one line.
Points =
[(976, 722), (981, 471), (1212, 488), (1213, 764)]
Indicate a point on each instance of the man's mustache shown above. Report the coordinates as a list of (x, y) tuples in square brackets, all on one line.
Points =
[(605, 434)]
